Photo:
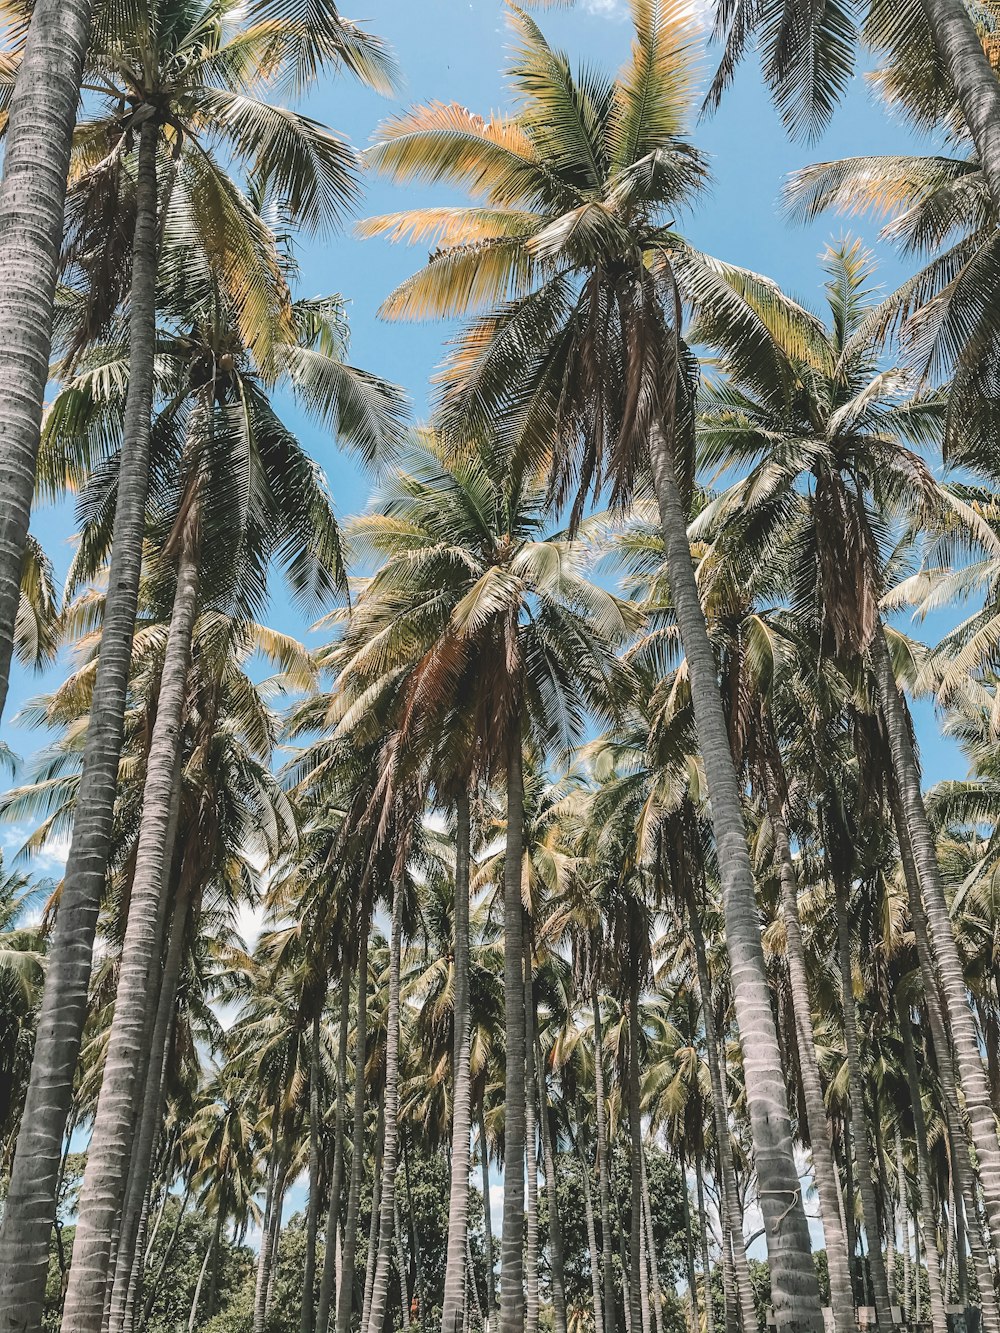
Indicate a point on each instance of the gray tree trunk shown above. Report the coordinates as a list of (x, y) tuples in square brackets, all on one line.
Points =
[(859, 1120), (592, 1245), (556, 1269), (511, 1245), (531, 1250), (104, 1180), (820, 1138), (939, 1320), (387, 1217), (733, 1218), (706, 1264), (975, 82), (30, 1205), (32, 199), (794, 1290), (461, 1124), (961, 1022), (345, 1296), (639, 1316), (312, 1205), (484, 1157), (603, 1167), (329, 1279)]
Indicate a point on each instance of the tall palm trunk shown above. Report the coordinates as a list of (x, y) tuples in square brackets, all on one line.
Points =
[(531, 1247), (692, 1279), (32, 199), (794, 1290), (328, 1282), (213, 1246), (132, 1243), (511, 1252), (961, 1165), (975, 82), (654, 1264), (859, 1120), (902, 1219), (30, 1205), (270, 1240), (706, 1263), (312, 1205), (104, 1180), (603, 1167), (949, 967), (635, 1156), (817, 1121), (939, 1320), (592, 1245), (345, 1296), (373, 1230), (383, 1266), (484, 1159), (536, 1076), (461, 1122), (732, 1214)]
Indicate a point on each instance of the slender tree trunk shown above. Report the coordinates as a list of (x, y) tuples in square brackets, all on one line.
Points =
[(533, 1046), (511, 1255), (692, 1279), (328, 1282), (102, 1192), (706, 1264), (939, 1321), (592, 1245), (794, 1290), (271, 1230), (732, 1215), (956, 1123), (949, 967), (820, 1138), (859, 1121), (404, 1295), (461, 1125), (168, 1253), (974, 79), (30, 1205), (635, 1158), (484, 1156), (902, 1218), (345, 1296), (373, 1233), (312, 1206), (390, 1154), (128, 1268), (418, 1265), (533, 1299), (603, 1167), (213, 1245), (32, 198), (654, 1266)]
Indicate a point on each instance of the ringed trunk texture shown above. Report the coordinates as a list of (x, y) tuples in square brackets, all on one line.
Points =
[(511, 1245), (820, 1138), (312, 1207), (387, 1207), (132, 1243), (538, 1090), (32, 199), (105, 1178), (859, 1121), (484, 1157), (30, 1206), (794, 1290), (961, 1023), (974, 79), (603, 1168), (927, 1210), (533, 1304), (345, 1296), (733, 1221), (328, 1282), (461, 1124), (592, 1245), (636, 1267)]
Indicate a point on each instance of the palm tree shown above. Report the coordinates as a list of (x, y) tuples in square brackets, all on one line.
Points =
[(845, 426), (515, 634), (40, 116), (575, 237), (934, 49), (206, 77)]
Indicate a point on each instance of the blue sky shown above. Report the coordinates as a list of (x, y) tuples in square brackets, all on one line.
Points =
[(454, 50)]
